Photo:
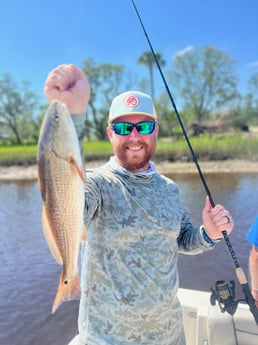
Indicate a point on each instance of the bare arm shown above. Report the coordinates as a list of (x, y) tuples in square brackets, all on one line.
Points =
[(253, 268)]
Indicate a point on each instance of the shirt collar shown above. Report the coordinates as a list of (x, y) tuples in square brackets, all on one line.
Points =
[(151, 170)]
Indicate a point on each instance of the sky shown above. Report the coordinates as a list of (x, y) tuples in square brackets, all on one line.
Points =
[(36, 37)]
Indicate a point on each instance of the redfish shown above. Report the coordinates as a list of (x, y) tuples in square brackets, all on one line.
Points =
[(61, 181)]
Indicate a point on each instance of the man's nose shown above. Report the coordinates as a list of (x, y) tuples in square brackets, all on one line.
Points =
[(134, 133)]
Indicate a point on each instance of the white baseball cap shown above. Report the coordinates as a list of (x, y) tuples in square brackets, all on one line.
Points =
[(132, 102)]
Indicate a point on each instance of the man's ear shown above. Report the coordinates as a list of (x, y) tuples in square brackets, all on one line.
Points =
[(109, 134), (157, 130)]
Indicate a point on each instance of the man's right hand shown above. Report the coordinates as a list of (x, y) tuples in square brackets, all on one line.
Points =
[(68, 84)]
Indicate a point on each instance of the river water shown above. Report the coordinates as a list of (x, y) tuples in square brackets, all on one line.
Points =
[(29, 275)]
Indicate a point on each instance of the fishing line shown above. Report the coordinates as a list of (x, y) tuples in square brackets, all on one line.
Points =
[(239, 271)]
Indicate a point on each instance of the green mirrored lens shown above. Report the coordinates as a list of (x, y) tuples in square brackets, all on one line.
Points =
[(145, 127), (125, 128)]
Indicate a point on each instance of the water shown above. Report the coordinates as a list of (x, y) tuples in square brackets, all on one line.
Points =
[(29, 275)]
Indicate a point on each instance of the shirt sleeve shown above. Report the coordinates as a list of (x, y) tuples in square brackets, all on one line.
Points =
[(79, 124), (252, 235), (191, 239)]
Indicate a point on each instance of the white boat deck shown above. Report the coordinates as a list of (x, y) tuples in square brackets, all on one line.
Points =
[(207, 325)]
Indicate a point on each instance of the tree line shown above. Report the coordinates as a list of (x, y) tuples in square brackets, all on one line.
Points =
[(204, 81)]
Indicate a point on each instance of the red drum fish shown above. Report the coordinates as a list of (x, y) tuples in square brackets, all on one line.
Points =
[(61, 181)]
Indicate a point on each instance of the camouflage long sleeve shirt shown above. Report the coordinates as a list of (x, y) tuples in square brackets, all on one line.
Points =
[(136, 225)]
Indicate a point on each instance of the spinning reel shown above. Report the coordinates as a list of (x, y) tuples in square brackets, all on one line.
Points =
[(224, 294)]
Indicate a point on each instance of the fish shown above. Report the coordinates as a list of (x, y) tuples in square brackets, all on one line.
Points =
[(61, 180)]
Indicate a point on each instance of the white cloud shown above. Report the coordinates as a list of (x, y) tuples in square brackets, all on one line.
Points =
[(252, 64), (183, 51)]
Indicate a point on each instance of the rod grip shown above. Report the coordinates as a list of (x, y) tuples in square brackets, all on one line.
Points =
[(241, 276)]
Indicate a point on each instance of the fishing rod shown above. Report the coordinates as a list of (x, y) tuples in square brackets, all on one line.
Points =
[(238, 270)]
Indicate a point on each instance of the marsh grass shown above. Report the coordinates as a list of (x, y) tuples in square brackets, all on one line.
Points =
[(210, 148), (220, 147), (18, 155)]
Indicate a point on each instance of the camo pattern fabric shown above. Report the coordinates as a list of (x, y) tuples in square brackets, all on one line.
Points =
[(136, 224)]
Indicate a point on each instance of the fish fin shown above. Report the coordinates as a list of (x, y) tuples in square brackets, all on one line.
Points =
[(67, 291), (78, 170), (48, 233), (84, 236)]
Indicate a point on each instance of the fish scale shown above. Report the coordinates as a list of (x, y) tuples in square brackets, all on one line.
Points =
[(61, 181)]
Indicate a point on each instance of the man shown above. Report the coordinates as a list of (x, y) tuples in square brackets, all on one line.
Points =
[(252, 237), (136, 224)]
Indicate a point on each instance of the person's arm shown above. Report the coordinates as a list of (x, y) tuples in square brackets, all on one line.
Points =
[(215, 220), (192, 240), (68, 84), (79, 124), (253, 269)]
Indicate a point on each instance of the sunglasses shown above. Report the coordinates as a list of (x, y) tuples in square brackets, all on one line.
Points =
[(125, 128)]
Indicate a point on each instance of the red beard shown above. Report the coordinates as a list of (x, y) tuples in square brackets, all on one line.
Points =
[(137, 161)]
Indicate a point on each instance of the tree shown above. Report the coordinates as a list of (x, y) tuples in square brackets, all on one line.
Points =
[(251, 100), (106, 80), (17, 111), (148, 60), (253, 87), (205, 79)]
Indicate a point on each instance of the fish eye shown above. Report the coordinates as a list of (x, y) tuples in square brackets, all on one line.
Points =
[(66, 281)]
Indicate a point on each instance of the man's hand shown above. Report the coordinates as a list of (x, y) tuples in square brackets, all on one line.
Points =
[(216, 219), (68, 84)]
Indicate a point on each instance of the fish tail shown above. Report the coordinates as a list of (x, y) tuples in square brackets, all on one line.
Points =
[(67, 290)]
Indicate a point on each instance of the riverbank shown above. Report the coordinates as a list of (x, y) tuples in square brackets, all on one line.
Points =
[(20, 173)]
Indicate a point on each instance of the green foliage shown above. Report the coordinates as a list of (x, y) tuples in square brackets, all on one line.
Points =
[(18, 110), (97, 149), (217, 147), (148, 60), (205, 79), (18, 155), (105, 80)]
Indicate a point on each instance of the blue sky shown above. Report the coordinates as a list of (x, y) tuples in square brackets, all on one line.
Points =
[(37, 36)]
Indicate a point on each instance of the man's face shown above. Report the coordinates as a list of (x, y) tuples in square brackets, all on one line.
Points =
[(133, 151)]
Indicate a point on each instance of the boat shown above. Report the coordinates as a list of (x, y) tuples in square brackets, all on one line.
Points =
[(206, 324)]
